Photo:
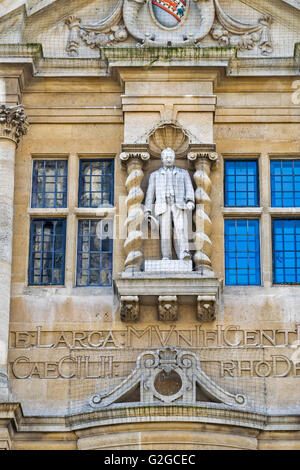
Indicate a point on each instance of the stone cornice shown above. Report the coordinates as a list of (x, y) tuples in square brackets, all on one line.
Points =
[(139, 413), (31, 55), (13, 122)]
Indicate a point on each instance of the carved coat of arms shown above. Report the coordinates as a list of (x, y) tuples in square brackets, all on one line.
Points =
[(169, 13), (191, 19)]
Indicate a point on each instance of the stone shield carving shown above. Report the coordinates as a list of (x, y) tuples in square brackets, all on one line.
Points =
[(169, 13), (192, 19)]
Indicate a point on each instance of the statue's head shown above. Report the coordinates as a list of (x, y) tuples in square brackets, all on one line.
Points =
[(168, 157)]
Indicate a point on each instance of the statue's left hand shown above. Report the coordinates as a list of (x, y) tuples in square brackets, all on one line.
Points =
[(190, 205)]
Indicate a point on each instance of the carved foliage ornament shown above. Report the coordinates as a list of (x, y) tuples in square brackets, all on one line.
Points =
[(13, 122), (170, 23)]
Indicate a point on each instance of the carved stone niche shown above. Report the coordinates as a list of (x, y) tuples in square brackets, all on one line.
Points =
[(206, 308), (167, 308), (167, 283), (130, 308), (167, 376), (168, 134)]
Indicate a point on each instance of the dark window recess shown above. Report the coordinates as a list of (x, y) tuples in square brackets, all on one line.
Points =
[(94, 253), (47, 252), (49, 184), (96, 183)]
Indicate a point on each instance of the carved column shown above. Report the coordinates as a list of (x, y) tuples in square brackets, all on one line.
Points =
[(134, 162), (13, 124), (203, 163)]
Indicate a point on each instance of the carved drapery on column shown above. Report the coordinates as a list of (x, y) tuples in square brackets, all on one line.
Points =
[(13, 124), (203, 162), (134, 162)]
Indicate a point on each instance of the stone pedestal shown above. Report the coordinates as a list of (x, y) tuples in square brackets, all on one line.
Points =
[(167, 291), (168, 266)]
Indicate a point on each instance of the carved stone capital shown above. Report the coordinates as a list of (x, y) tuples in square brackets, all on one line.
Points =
[(13, 122), (206, 308), (127, 156), (211, 156), (130, 308), (167, 308)]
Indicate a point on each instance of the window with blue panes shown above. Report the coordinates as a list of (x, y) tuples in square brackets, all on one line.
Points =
[(241, 183), (94, 253), (242, 252), (286, 251), (285, 183), (47, 252), (96, 183), (49, 184)]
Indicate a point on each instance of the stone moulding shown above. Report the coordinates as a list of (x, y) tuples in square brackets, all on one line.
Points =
[(216, 414), (31, 56), (180, 373)]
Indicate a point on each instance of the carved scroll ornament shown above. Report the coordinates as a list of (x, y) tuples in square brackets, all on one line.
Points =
[(164, 23), (170, 376), (106, 32)]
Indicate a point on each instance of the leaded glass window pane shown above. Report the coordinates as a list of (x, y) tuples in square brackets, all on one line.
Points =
[(285, 183), (241, 183), (49, 184), (96, 183), (286, 251), (242, 252), (94, 254), (47, 252)]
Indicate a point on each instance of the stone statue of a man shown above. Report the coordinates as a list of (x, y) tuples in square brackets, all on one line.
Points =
[(171, 190)]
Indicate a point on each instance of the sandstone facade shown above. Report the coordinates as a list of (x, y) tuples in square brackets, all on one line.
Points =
[(104, 80)]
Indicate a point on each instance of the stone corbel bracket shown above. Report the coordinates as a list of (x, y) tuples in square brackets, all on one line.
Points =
[(133, 159), (13, 122), (167, 308), (206, 308), (165, 365), (130, 308)]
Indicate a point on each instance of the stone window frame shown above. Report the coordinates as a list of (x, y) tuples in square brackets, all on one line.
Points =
[(257, 252), (72, 213), (31, 269), (265, 212), (43, 192), (279, 212), (256, 192), (248, 212)]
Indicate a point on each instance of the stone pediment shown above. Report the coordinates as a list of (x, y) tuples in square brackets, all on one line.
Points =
[(167, 376), (81, 27)]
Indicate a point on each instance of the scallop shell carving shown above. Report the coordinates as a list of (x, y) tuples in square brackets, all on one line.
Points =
[(168, 135)]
